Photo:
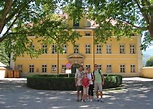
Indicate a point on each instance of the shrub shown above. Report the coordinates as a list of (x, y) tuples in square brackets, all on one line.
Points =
[(63, 82)]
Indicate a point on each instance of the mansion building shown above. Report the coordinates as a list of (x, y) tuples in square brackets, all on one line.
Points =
[(122, 57)]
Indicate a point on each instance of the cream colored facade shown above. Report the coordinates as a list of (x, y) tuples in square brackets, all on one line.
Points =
[(115, 57)]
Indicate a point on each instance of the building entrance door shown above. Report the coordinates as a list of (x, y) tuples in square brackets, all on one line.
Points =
[(74, 67)]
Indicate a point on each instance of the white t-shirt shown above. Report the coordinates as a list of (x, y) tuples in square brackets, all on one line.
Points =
[(79, 76), (89, 75)]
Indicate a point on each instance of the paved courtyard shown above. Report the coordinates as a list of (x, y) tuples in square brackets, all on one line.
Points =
[(135, 93)]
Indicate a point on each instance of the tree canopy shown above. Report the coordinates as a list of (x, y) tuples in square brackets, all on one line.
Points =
[(122, 17), (114, 17), (23, 18), (149, 62)]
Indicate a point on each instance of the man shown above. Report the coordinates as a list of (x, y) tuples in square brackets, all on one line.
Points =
[(78, 78), (98, 82)]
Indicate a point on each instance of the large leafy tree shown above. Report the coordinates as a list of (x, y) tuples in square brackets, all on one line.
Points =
[(4, 57), (23, 18), (149, 62), (120, 17), (114, 17)]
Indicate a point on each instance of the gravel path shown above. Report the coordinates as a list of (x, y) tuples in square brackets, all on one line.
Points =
[(135, 93)]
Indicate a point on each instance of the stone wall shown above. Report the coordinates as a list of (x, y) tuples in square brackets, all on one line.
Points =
[(147, 72)]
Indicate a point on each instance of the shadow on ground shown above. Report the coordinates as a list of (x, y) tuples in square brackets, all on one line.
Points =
[(133, 94)]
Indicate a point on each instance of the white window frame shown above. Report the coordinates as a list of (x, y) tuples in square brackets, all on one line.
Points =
[(31, 68), (109, 68), (87, 33), (108, 49), (132, 49), (88, 66), (122, 48), (44, 49), (44, 68), (99, 49), (54, 68), (54, 50), (87, 48), (122, 68), (76, 48), (20, 68), (64, 49), (63, 68), (132, 68), (99, 66)]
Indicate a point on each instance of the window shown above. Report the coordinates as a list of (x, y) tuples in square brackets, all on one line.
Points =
[(63, 68), (20, 68), (122, 49), (44, 49), (54, 68), (87, 66), (87, 49), (132, 68), (88, 33), (76, 48), (64, 49), (31, 68), (99, 49), (108, 49), (122, 68), (100, 67), (109, 68), (132, 49), (44, 68), (54, 51)]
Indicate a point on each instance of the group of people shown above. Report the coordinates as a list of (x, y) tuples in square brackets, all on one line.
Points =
[(87, 82)]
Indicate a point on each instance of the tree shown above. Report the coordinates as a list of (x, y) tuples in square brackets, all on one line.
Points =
[(23, 18), (116, 17), (149, 62), (4, 57)]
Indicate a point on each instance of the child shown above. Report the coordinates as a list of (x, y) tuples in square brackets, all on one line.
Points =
[(85, 84)]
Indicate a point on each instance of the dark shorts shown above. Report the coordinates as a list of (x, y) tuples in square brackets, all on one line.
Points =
[(79, 88)]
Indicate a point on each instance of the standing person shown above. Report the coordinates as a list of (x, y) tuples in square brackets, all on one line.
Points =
[(91, 86), (85, 84), (78, 78), (98, 82)]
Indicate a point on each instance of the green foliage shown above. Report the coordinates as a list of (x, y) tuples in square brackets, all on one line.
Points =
[(37, 18), (112, 81), (23, 18), (63, 82), (118, 17), (149, 62), (51, 82), (147, 41), (4, 57)]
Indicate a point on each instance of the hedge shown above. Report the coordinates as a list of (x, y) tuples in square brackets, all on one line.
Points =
[(63, 82)]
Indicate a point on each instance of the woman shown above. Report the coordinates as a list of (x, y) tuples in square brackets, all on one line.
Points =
[(91, 86)]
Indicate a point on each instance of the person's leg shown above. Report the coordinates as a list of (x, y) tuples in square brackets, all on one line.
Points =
[(83, 95), (81, 89), (101, 94), (96, 90), (91, 96), (89, 91), (77, 93)]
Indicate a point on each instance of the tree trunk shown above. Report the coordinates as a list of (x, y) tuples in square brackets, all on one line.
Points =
[(4, 15)]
